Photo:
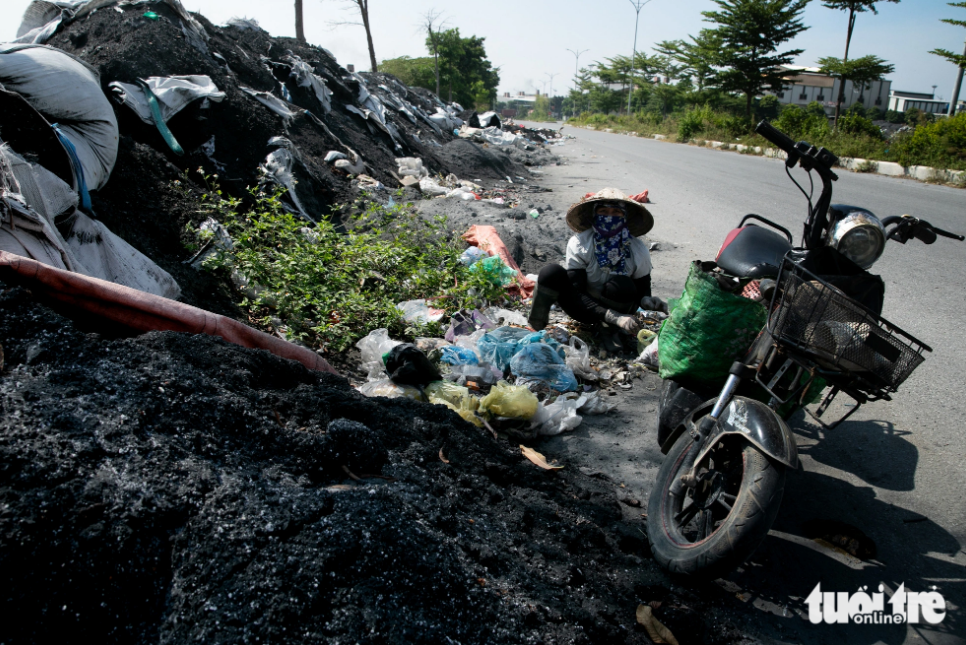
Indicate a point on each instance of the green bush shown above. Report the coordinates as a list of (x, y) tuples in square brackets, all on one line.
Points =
[(852, 123), (941, 144), (802, 124), (326, 288), (895, 117)]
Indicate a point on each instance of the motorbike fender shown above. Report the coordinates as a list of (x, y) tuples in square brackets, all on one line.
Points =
[(758, 424)]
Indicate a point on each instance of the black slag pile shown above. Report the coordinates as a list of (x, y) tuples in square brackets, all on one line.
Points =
[(367, 119), (174, 489)]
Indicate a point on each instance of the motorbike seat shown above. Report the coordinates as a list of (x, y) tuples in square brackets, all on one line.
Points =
[(752, 252)]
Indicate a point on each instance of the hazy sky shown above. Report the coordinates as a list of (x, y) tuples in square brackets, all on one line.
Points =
[(528, 39)]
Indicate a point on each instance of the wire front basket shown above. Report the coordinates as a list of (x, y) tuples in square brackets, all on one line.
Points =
[(820, 320)]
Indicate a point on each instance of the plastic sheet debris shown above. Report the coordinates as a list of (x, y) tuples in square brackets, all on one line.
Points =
[(390, 390), (464, 323), (427, 345), (305, 76), (66, 92), (479, 374), (373, 347), (644, 338), (495, 270), (594, 403), (505, 316), (649, 356), (218, 239), (457, 398), (510, 402), (465, 194), (173, 93), (455, 355), (285, 110), (486, 238), (419, 311), (278, 168), (656, 630), (539, 362), (557, 417), (411, 167), (498, 347), (249, 24), (43, 19), (409, 366), (430, 186), (577, 358), (472, 255)]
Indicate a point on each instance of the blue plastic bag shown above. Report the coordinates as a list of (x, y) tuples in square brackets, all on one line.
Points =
[(454, 355), (497, 347), (540, 361)]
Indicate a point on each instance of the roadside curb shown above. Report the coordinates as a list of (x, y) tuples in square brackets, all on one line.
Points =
[(925, 174)]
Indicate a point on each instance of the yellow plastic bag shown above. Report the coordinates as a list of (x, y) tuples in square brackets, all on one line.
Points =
[(457, 398), (512, 401)]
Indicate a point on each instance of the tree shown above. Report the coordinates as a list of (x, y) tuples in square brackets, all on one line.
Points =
[(363, 8), (299, 24), (859, 70), (433, 25), (854, 7), (955, 59), (751, 32), (696, 58), (464, 68), (415, 72)]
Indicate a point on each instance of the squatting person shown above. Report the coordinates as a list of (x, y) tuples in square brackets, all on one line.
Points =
[(607, 272)]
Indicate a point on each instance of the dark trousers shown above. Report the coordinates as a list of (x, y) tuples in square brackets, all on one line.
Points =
[(620, 293)]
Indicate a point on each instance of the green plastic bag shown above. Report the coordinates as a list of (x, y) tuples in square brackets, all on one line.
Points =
[(495, 270), (707, 330)]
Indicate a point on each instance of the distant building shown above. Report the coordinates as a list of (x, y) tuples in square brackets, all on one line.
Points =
[(807, 84), (901, 101)]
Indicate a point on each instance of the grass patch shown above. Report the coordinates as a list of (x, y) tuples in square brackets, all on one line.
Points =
[(940, 144), (867, 166), (327, 288)]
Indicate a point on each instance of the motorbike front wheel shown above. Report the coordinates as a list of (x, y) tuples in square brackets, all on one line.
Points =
[(709, 527)]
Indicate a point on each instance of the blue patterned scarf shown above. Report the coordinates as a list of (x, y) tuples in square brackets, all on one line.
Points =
[(612, 243)]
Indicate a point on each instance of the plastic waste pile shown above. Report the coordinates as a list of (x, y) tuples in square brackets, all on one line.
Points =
[(506, 378)]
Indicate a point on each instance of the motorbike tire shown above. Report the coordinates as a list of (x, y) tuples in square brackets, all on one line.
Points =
[(741, 531), (673, 407)]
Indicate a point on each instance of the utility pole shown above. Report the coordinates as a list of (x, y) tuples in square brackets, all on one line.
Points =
[(576, 74), (550, 95), (959, 85), (638, 5)]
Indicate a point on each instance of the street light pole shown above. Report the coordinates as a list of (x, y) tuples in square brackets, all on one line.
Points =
[(550, 95), (959, 85), (638, 5), (576, 74)]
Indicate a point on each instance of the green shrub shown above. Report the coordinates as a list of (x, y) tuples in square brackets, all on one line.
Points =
[(895, 117), (941, 144), (802, 124), (852, 123), (326, 288)]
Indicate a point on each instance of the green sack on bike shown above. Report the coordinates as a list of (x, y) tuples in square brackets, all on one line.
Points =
[(707, 330)]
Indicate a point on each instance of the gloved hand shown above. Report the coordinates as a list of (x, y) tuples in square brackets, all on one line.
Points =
[(627, 324), (653, 303)]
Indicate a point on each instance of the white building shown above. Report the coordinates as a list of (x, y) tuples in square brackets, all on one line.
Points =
[(807, 84), (901, 101)]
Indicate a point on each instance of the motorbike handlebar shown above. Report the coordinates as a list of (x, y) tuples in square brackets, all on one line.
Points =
[(776, 136), (907, 227)]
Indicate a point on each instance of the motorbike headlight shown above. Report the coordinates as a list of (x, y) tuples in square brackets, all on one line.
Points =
[(860, 237)]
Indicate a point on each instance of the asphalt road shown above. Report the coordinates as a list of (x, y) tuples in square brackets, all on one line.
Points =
[(896, 471)]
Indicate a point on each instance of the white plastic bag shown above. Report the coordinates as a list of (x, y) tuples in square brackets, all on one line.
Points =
[(649, 355), (390, 390), (429, 187), (411, 167), (594, 403), (505, 316), (419, 311), (578, 359), (372, 347), (559, 416)]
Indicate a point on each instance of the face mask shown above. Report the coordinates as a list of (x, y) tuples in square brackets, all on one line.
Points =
[(609, 225)]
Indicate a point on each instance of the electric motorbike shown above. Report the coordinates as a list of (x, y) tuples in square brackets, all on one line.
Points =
[(727, 452)]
